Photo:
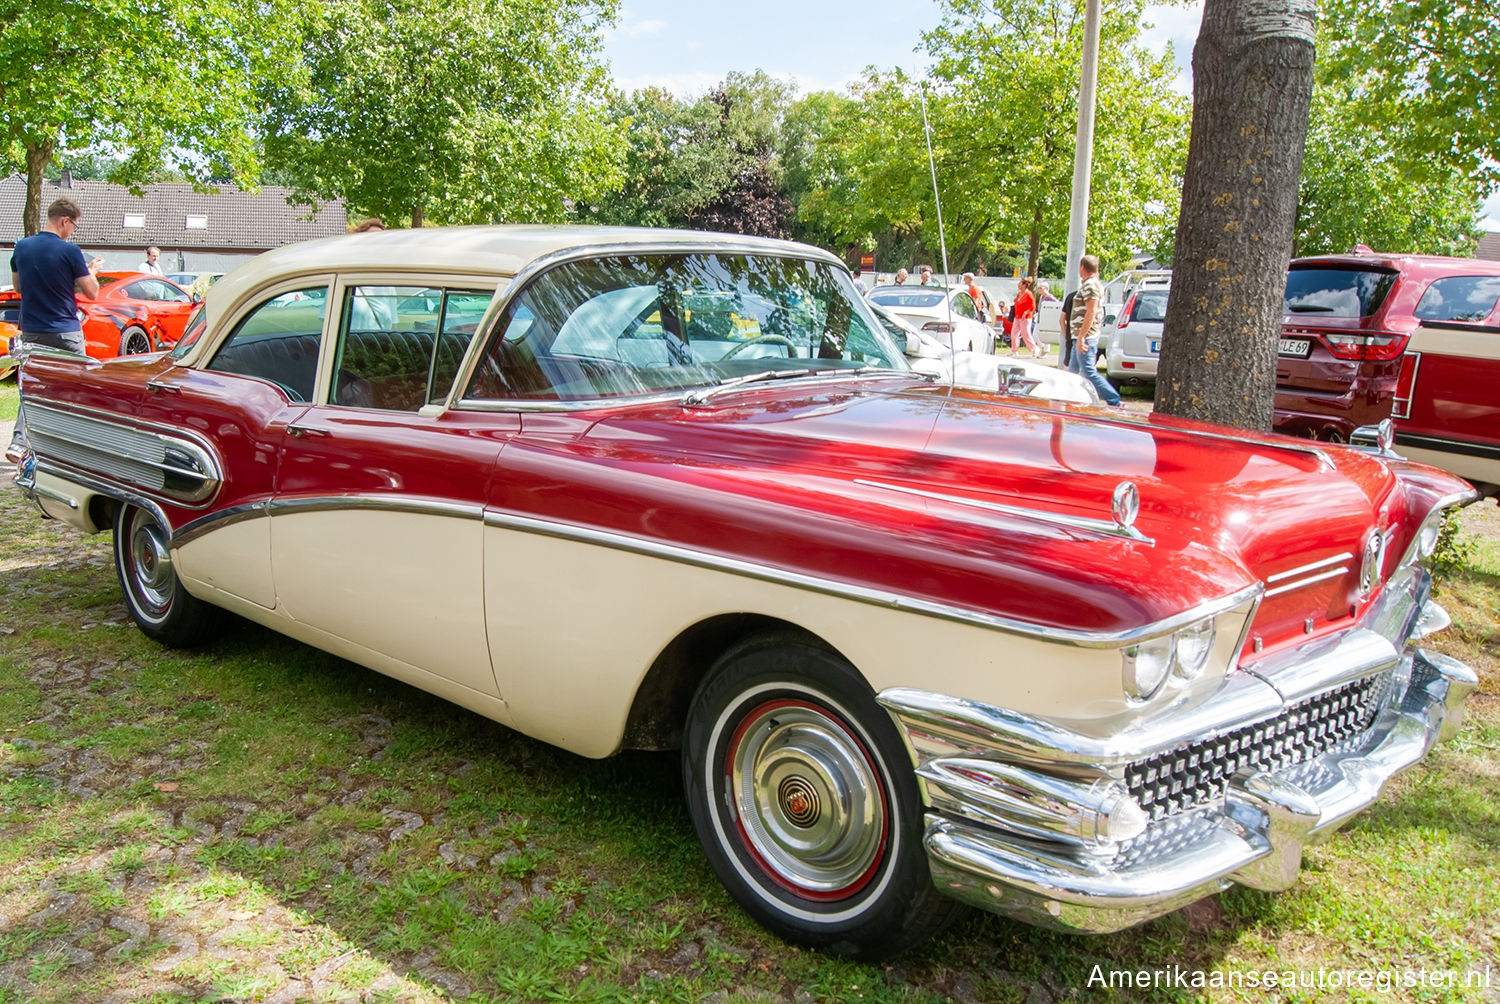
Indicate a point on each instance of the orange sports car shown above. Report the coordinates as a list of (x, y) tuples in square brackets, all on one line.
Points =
[(135, 312)]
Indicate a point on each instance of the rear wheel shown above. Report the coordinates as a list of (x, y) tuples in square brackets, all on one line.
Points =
[(806, 804), (134, 341), (158, 603)]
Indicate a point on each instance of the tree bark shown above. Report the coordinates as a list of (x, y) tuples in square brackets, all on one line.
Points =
[(417, 216), (37, 159), (1252, 86)]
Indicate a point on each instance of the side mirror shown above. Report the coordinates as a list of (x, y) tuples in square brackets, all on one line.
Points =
[(197, 297), (913, 345), (1110, 318)]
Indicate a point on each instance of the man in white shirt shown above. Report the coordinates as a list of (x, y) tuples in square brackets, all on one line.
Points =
[(149, 265)]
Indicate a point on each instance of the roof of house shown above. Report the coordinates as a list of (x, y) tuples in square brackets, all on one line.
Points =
[(1489, 246), (172, 215)]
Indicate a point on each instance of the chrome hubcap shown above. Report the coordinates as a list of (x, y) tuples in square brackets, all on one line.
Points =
[(810, 800), (151, 566)]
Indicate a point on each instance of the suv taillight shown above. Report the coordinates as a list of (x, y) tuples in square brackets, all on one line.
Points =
[(1125, 314), (1374, 345)]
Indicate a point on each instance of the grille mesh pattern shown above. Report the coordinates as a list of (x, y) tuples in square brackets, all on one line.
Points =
[(1197, 773)]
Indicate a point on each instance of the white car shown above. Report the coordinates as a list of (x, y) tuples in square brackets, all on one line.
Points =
[(941, 311), (1135, 339), (929, 353)]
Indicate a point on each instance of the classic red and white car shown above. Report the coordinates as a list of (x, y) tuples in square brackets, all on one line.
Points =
[(919, 645)]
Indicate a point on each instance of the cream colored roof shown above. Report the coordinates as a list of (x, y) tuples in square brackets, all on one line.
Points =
[(500, 251)]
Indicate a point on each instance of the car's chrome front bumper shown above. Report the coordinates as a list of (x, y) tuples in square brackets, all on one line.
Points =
[(1030, 839)]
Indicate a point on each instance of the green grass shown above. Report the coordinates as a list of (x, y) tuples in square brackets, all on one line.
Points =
[(218, 806), (10, 400)]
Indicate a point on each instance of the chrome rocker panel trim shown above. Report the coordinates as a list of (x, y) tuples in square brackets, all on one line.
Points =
[(1254, 835)]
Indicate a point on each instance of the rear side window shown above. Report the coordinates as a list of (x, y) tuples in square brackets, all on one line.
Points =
[(1468, 298), (278, 342), (1337, 292), (1150, 306)]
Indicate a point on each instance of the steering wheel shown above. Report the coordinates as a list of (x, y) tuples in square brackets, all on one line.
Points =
[(770, 339)]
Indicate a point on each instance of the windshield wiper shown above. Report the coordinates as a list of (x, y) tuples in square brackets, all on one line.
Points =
[(700, 395)]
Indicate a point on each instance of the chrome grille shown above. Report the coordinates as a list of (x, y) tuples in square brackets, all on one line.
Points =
[(1197, 773)]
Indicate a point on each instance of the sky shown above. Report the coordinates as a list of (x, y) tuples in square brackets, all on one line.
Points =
[(687, 46)]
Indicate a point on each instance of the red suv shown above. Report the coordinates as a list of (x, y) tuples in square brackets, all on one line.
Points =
[(1414, 338)]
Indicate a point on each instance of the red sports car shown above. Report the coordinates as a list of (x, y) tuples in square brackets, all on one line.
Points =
[(135, 312)]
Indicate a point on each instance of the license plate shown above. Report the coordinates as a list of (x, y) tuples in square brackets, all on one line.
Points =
[(1294, 347), (1155, 346)]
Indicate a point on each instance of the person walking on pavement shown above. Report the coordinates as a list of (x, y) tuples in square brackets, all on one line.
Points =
[(149, 266), (901, 276), (48, 270), (1065, 331), (1020, 327), (924, 273), (1088, 308)]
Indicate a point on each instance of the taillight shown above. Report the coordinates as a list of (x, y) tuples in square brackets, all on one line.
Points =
[(1406, 386), (1373, 346), (1125, 314), (941, 327)]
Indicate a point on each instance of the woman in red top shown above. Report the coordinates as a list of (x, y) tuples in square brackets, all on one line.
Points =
[(1025, 312)]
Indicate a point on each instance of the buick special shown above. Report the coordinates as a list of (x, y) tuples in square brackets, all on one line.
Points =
[(920, 646)]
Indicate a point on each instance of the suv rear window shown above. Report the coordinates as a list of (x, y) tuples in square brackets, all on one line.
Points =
[(1337, 292), (1150, 305), (1468, 298)]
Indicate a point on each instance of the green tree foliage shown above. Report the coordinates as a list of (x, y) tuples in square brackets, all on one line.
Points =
[(1356, 187), (709, 164), (458, 111), (163, 82), (1428, 70)]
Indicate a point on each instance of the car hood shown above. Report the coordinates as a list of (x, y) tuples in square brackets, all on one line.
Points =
[(965, 499)]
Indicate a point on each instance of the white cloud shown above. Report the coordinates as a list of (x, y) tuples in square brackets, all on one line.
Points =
[(640, 29)]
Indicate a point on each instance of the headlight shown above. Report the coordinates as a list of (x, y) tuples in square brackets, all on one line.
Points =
[(1147, 665), (1181, 657), (1195, 643), (1427, 537)]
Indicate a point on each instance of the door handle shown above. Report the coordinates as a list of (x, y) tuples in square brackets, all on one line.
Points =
[(305, 430), (161, 386)]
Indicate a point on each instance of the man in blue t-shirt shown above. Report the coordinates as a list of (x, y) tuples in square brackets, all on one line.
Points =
[(47, 270)]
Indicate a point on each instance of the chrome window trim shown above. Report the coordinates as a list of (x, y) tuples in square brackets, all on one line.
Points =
[(878, 597), (546, 262), (1108, 528)]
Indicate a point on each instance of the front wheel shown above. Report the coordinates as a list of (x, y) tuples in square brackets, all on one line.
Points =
[(160, 607), (806, 803)]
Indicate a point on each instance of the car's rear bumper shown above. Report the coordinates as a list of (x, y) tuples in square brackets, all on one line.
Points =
[(997, 783)]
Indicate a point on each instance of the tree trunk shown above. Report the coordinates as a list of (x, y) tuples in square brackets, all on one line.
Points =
[(416, 217), (1035, 255), (37, 159), (1252, 86)]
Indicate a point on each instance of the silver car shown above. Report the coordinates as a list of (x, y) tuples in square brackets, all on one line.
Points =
[(1135, 338)]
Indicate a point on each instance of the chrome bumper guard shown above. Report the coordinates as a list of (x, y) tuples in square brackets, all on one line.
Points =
[(1030, 837)]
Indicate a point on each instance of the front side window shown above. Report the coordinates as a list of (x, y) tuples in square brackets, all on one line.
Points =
[(651, 323), (400, 346), (1467, 298), (197, 323), (1337, 292), (278, 342), (155, 289)]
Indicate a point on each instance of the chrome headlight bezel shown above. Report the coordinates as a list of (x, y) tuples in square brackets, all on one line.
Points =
[(1174, 660)]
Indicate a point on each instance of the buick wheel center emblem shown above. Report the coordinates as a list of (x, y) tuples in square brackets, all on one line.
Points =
[(799, 801)]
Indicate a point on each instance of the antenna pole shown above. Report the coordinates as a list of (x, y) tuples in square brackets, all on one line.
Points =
[(942, 243)]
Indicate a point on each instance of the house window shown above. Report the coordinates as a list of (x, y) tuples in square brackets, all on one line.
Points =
[(196, 223), (133, 221)]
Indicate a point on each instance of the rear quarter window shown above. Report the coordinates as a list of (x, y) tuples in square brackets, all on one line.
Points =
[(1337, 292), (1468, 298)]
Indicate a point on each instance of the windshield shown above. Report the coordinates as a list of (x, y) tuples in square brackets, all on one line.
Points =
[(1337, 292), (646, 324), (903, 298)]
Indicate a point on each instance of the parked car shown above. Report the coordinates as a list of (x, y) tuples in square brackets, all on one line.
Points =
[(134, 312), (1414, 338), (1134, 340), (929, 353), (944, 311), (919, 645), (195, 282)]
